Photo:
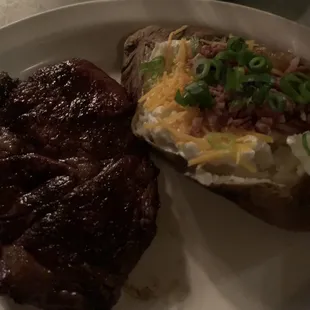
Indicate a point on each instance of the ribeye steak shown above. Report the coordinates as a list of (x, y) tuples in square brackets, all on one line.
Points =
[(78, 192)]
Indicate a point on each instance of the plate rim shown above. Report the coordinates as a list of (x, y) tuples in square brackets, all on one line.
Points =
[(79, 5), (13, 27)]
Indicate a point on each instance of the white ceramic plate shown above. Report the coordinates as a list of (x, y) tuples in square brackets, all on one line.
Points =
[(208, 253)]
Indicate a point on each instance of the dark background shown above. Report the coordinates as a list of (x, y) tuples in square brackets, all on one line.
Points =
[(293, 9)]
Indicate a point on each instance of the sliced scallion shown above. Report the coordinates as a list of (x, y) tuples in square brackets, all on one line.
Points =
[(234, 78), (276, 101), (236, 44), (195, 94), (260, 94), (260, 64), (156, 64), (208, 70), (200, 92), (244, 57), (290, 84), (305, 144), (202, 67), (304, 89), (227, 55), (194, 43)]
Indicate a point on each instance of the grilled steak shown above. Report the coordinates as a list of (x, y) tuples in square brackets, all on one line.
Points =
[(78, 192)]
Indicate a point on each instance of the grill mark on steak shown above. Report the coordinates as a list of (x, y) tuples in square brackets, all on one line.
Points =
[(78, 192)]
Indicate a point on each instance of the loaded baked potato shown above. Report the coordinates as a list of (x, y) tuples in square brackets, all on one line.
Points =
[(233, 115)]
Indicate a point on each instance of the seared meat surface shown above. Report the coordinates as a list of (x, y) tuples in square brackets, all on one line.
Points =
[(78, 192)]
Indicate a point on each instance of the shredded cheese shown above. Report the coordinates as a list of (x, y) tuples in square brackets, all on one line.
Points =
[(248, 166), (208, 156), (262, 137), (168, 55), (176, 32), (163, 93), (251, 44), (202, 144)]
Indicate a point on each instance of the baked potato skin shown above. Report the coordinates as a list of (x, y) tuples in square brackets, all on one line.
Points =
[(284, 207), (139, 46)]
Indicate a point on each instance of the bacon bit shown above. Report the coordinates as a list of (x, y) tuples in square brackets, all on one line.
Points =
[(209, 51), (215, 121), (290, 106), (298, 125), (234, 109), (196, 128), (264, 125), (221, 104), (216, 90), (267, 120), (303, 69), (281, 119), (293, 65), (277, 84), (223, 43), (212, 120), (261, 127), (277, 72), (246, 112), (303, 116), (239, 122), (220, 98), (286, 129)]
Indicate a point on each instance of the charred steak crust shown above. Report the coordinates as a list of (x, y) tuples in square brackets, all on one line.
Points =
[(78, 192)]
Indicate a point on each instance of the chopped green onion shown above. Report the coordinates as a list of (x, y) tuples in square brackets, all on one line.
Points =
[(194, 43), (240, 69), (200, 92), (244, 57), (156, 66), (189, 99), (258, 78), (260, 94), (217, 65), (179, 99), (227, 55), (236, 44), (260, 64), (304, 89), (202, 67), (304, 141), (237, 103), (234, 78), (249, 89), (277, 102), (290, 84), (208, 69), (184, 100), (195, 94), (302, 76)]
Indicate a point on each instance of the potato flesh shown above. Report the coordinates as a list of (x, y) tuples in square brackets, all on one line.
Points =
[(278, 165)]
